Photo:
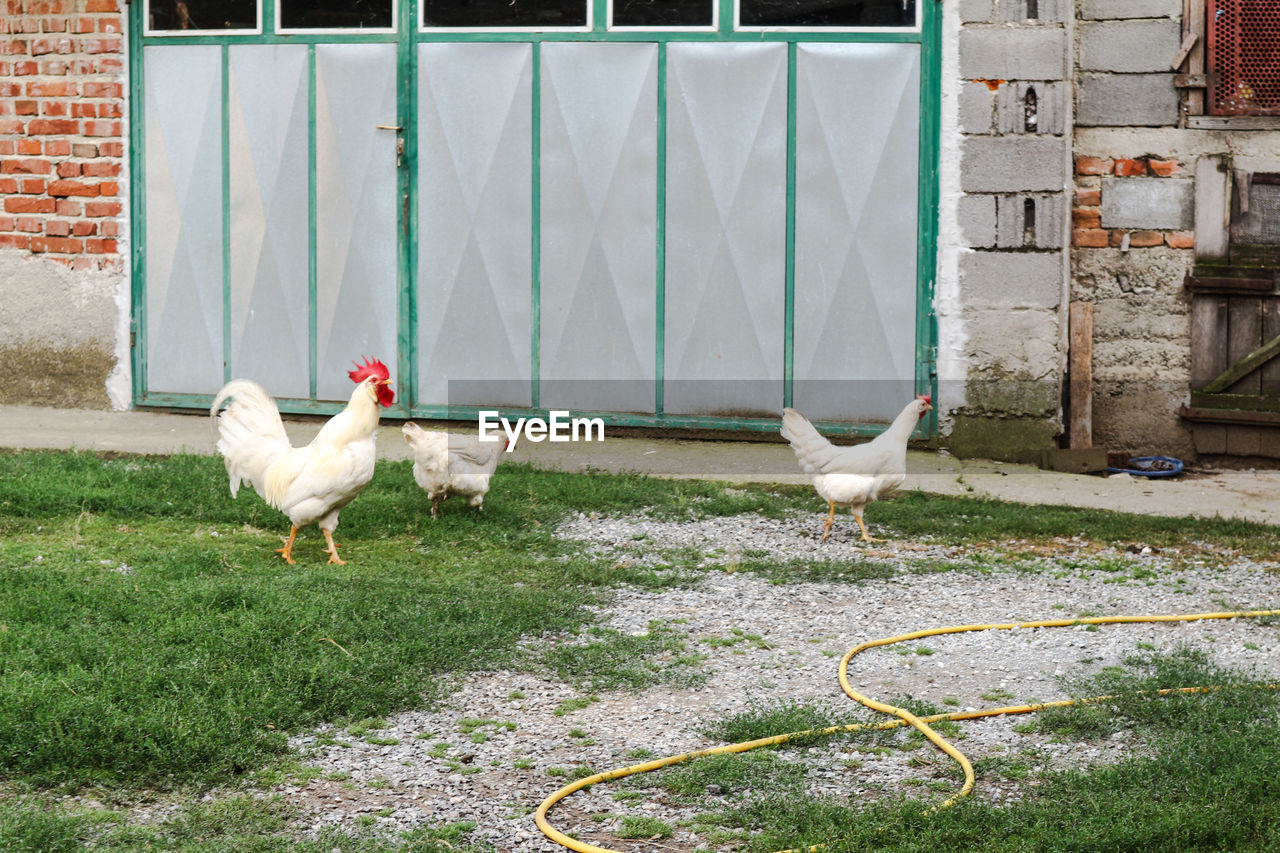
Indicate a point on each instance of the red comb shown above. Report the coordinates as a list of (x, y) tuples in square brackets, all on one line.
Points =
[(371, 367), (925, 397)]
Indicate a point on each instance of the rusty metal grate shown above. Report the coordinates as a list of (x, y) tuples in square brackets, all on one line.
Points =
[(1244, 57)]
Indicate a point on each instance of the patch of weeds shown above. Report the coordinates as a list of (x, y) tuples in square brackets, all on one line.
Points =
[(777, 718), (728, 774), (1002, 767), (382, 741), (644, 827), (577, 703), (736, 636), (362, 727), (571, 773), (615, 660), (463, 769), (523, 764), (467, 725), (818, 571), (997, 695)]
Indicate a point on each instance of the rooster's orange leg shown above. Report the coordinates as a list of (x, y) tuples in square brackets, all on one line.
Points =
[(332, 550), (287, 550), (831, 519)]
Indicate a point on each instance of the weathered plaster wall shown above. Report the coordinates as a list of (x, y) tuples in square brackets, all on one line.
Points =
[(58, 333)]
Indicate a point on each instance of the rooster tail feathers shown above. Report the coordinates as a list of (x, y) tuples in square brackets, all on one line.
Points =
[(251, 436)]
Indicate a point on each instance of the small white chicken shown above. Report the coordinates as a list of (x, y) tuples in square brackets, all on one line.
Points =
[(309, 484), (446, 464), (857, 475)]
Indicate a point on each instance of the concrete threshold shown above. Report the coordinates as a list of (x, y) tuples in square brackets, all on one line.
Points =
[(1250, 494)]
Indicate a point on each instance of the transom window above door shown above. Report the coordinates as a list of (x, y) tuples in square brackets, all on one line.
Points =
[(212, 17)]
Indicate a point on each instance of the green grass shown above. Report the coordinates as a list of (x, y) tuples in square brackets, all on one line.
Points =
[(1205, 782), (151, 639), (149, 636), (237, 824)]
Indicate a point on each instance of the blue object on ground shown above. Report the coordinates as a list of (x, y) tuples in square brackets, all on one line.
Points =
[(1145, 466)]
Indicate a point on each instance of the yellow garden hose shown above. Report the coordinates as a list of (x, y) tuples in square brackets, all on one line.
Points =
[(904, 717)]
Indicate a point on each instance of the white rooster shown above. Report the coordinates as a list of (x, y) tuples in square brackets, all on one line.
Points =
[(857, 475), (446, 464), (309, 484)]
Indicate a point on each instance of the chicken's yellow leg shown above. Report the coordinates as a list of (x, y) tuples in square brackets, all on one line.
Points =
[(332, 550), (831, 519), (287, 550), (865, 536)]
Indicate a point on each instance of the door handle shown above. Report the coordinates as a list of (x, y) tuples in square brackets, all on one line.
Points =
[(399, 140)]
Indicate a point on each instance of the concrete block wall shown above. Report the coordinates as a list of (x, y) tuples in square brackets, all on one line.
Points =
[(62, 164), (1014, 104), (1124, 62)]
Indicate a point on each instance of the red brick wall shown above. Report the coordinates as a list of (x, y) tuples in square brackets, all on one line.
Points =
[(1086, 213), (62, 144)]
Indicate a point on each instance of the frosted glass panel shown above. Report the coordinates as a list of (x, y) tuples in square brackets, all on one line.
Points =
[(267, 114), (356, 302), (599, 237), (855, 253), (726, 228), (475, 279), (184, 218)]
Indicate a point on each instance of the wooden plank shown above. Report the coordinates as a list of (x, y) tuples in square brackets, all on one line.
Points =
[(1242, 402), (1213, 208), (1244, 337), (1080, 373), (1187, 44), (1246, 440), (1208, 339), (1229, 283), (1241, 374), (1229, 416), (1200, 122), (1209, 438), (1270, 372), (1194, 24)]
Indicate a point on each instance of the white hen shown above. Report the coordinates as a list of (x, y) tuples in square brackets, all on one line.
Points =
[(445, 464), (854, 476), (309, 484)]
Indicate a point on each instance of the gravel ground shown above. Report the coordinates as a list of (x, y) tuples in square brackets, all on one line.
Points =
[(505, 740)]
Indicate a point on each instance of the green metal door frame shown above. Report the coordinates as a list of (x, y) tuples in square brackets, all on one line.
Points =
[(407, 37)]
